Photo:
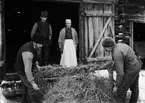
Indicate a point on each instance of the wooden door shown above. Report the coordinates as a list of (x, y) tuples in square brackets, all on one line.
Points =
[(96, 23)]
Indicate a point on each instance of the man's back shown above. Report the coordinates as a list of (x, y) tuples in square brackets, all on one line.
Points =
[(124, 55)]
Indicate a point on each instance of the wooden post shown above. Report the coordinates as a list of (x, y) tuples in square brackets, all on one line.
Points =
[(112, 31), (131, 36), (0, 30), (101, 35)]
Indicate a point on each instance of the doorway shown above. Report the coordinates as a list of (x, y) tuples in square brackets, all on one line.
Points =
[(139, 40), (20, 17)]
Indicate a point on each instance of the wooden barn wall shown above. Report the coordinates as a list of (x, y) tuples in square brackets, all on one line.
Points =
[(138, 17), (135, 12), (96, 16)]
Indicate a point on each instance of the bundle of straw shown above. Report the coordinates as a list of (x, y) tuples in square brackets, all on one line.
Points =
[(75, 85)]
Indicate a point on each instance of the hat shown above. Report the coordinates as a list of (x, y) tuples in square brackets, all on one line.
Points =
[(108, 42), (38, 38), (67, 20), (44, 13)]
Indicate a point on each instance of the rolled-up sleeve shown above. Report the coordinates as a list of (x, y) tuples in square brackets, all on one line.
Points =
[(119, 67), (27, 59)]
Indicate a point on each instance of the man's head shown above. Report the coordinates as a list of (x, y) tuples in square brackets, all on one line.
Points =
[(108, 44), (38, 41), (44, 15), (68, 23)]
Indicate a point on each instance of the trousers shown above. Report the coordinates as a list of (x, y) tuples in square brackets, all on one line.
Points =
[(129, 82)]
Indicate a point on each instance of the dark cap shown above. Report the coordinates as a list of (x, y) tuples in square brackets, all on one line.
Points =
[(38, 38), (44, 14), (108, 42)]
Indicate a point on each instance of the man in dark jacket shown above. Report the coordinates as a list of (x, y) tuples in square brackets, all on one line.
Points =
[(127, 66), (43, 28), (25, 64)]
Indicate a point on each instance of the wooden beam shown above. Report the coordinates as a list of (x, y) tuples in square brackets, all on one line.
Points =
[(77, 1), (112, 30), (131, 37), (86, 1), (92, 14), (100, 1), (101, 35)]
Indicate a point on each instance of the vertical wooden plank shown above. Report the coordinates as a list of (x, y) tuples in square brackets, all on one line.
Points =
[(100, 48), (112, 29), (0, 30), (0, 36), (81, 33), (113, 19), (95, 27), (3, 39), (91, 39), (101, 26), (86, 37), (131, 37)]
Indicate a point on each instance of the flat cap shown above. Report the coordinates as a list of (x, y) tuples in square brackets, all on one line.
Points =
[(108, 42)]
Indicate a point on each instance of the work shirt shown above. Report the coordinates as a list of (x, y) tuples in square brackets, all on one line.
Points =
[(125, 60), (25, 61)]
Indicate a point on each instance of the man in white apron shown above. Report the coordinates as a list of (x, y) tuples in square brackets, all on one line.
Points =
[(68, 41)]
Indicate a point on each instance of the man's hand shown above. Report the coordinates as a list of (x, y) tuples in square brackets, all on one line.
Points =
[(50, 37), (114, 89), (40, 67), (34, 85), (1, 63)]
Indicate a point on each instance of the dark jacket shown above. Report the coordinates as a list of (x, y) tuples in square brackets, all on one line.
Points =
[(125, 60), (44, 29)]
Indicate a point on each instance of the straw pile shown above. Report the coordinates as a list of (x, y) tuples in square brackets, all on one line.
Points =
[(76, 84)]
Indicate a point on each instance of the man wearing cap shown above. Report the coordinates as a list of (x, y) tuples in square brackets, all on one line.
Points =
[(43, 28), (24, 66), (127, 66), (68, 42)]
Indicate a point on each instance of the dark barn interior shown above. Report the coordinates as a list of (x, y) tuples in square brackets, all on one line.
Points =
[(139, 32), (139, 40), (20, 16)]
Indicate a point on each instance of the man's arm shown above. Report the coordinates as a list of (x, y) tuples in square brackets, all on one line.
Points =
[(50, 28), (27, 59), (119, 67), (34, 29)]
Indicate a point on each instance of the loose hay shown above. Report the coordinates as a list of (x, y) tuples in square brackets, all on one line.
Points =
[(76, 84)]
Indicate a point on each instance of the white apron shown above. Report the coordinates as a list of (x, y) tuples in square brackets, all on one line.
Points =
[(68, 57)]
